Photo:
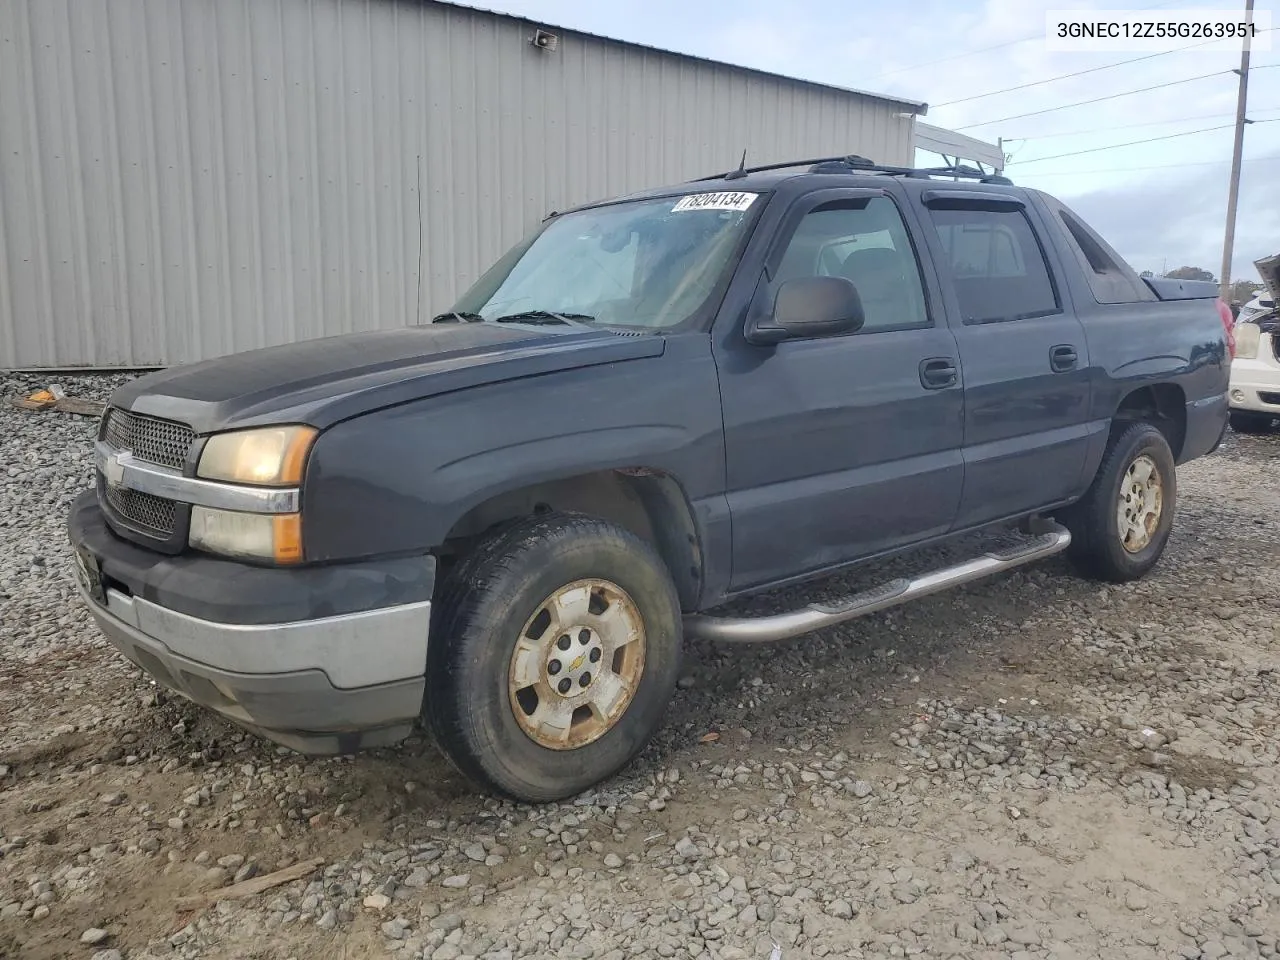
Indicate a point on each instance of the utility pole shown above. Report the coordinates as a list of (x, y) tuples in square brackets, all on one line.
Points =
[(1233, 191)]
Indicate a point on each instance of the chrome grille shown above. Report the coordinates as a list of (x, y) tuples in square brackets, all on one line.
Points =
[(152, 514), (148, 438)]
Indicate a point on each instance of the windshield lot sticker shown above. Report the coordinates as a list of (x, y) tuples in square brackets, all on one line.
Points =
[(714, 201)]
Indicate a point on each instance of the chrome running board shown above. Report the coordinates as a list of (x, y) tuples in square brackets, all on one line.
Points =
[(783, 626)]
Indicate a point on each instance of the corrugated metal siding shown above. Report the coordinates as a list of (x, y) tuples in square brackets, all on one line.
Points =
[(181, 179)]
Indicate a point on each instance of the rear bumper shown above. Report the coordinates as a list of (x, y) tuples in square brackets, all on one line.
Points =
[(318, 661)]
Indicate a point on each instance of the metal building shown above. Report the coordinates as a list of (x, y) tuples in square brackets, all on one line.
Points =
[(181, 179)]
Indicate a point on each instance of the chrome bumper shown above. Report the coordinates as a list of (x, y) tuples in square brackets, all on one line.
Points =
[(325, 686)]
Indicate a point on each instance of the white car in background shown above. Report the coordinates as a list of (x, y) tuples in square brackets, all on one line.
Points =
[(1255, 371)]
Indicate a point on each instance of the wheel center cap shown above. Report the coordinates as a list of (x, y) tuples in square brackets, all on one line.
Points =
[(573, 661)]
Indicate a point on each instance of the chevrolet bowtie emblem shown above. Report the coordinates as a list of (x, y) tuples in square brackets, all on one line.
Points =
[(113, 468), (577, 661)]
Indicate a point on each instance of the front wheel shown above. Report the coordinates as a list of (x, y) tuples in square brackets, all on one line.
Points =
[(1120, 528), (554, 654), (1245, 421)]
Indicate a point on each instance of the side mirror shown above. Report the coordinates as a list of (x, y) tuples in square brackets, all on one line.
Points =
[(810, 307)]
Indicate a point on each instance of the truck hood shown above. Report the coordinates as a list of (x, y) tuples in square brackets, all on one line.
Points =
[(1269, 270), (320, 382)]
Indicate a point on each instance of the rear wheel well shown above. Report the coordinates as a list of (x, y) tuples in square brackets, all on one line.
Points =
[(1163, 405), (649, 503)]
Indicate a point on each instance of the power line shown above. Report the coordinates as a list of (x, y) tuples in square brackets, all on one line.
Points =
[(997, 46), (1085, 103), (958, 56), (1130, 126), (1160, 166), (1001, 46), (1134, 143), (1078, 73)]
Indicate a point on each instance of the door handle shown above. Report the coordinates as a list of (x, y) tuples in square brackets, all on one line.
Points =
[(938, 372), (1063, 358)]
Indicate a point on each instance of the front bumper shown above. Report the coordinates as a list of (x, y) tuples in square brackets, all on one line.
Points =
[(323, 660), (1255, 380), (1255, 384)]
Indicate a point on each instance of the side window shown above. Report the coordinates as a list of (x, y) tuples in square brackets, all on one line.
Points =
[(864, 241), (996, 264), (1110, 279)]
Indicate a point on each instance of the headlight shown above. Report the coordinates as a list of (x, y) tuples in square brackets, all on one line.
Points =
[(1248, 336), (261, 536), (273, 456)]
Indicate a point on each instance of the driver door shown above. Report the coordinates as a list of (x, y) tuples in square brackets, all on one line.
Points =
[(841, 447)]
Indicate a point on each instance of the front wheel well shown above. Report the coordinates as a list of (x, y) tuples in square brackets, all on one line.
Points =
[(649, 503), (1163, 405)]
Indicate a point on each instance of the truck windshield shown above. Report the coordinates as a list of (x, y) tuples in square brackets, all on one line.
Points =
[(645, 263)]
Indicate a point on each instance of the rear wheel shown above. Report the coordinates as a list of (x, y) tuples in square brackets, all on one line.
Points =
[(1120, 528), (553, 657), (1245, 421)]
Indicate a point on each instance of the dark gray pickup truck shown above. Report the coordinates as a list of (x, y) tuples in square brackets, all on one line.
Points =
[(503, 524)]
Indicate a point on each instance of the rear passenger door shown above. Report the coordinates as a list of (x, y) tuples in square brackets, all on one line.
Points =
[(1024, 354)]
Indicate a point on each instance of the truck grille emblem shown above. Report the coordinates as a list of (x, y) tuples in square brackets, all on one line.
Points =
[(113, 468)]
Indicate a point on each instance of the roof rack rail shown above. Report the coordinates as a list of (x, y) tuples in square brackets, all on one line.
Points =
[(856, 164), (964, 173)]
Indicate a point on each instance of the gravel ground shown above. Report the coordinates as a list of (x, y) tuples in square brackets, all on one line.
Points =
[(1031, 767)]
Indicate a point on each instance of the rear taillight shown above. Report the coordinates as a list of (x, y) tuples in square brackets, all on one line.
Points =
[(1228, 326)]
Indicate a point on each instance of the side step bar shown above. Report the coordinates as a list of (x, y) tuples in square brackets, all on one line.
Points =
[(783, 626)]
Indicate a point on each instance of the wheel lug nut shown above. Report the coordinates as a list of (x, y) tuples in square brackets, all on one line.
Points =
[(585, 679), (565, 685), (563, 642), (553, 667), (584, 637), (594, 656)]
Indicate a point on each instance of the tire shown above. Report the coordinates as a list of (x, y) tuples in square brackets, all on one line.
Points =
[(495, 631), (1098, 548), (1244, 421)]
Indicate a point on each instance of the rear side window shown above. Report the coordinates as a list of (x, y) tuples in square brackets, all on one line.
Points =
[(1110, 279), (996, 263)]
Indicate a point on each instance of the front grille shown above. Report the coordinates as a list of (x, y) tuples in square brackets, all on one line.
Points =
[(149, 438), (153, 515)]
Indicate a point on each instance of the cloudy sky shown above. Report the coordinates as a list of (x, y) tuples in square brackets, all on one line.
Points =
[(1161, 203)]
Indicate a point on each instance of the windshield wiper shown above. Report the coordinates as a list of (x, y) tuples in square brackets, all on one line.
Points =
[(543, 316), (456, 317)]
